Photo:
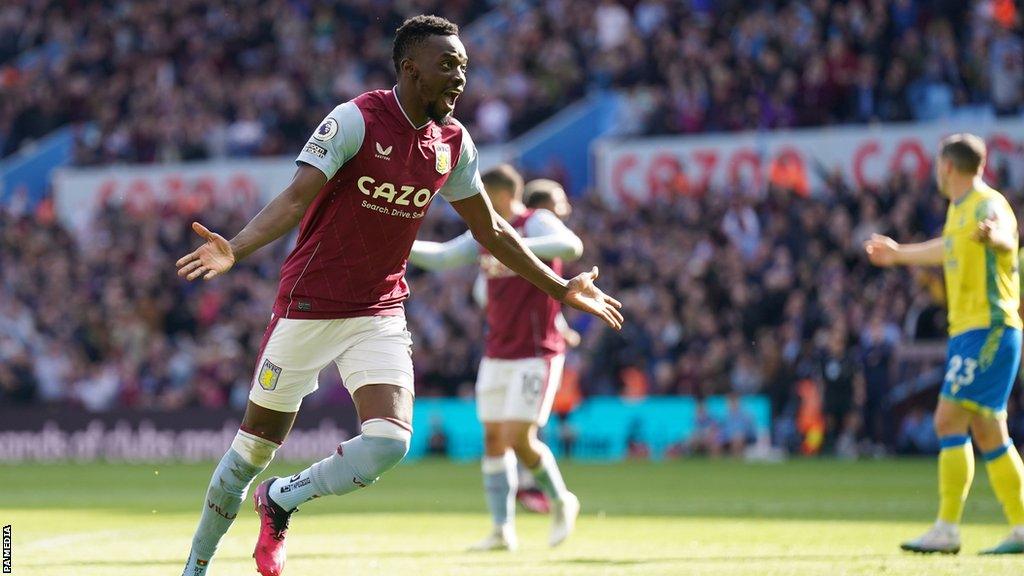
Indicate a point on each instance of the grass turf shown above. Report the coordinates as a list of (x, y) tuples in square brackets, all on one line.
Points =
[(690, 517)]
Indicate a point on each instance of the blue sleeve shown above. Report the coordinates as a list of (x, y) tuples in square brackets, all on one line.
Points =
[(335, 141), (464, 180)]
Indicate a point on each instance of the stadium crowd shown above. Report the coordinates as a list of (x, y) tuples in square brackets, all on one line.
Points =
[(188, 79), (726, 292)]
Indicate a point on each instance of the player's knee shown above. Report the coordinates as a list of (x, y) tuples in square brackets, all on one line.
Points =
[(520, 438), (494, 440), (945, 425), (520, 444), (388, 442), (988, 434), (256, 451)]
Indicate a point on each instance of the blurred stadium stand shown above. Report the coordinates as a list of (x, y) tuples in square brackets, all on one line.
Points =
[(737, 255)]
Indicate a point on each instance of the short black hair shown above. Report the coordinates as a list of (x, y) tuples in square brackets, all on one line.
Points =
[(965, 151), (540, 191), (503, 176), (414, 31)]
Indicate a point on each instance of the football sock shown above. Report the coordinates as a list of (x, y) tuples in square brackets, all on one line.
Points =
[(547, 474), (526, 479), (500, 480), (288, 493), (356, 463), (1004, 472), (956, 471), (224, 496)]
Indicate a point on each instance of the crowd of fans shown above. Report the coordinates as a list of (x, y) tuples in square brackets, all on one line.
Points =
[(725, 292), (189, 79)]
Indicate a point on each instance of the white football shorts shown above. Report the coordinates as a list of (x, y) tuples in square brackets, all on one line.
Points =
[(367, 350), (517, 390)]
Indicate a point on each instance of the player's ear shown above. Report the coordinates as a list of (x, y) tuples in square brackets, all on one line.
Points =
[(410, 68)]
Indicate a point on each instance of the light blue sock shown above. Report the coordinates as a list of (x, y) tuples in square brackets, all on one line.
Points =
[(288, 493), (548, 476), (224, 497), (500, 481), (356, 464)]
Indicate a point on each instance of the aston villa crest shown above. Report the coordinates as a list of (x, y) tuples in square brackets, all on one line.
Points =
[(269, 374), (443, 158)]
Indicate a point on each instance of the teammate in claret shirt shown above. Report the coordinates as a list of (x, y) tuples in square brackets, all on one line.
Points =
[(363, 183), (525, 352)]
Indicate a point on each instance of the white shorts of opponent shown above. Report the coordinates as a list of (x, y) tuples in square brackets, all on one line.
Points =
[(517, 390), (367, 350)]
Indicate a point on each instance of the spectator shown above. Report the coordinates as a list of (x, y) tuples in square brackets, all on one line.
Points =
[(197, 78), (876, 358), (437, 440), (1007, 71), (916, 434), (738, 429), (707, 435)]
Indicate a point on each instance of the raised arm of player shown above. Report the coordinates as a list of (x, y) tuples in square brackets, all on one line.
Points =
[(333, 143), (459, 251), (282, 214), (549, 238), (505, 244), (884, 251), (218, 255)]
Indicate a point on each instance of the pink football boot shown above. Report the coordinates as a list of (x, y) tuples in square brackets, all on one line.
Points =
[(270, 552)]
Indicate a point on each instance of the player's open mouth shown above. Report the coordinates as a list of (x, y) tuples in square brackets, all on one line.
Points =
[(450, 96)]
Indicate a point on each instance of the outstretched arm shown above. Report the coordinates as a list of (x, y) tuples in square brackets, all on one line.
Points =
[(884, 251), (218, 255), (549, 238), (333, 143), (459, 251), (502, 241), (282, 214), (505, 244)]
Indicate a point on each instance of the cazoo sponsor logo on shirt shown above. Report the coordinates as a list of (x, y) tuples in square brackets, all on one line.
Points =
[(396, 196)]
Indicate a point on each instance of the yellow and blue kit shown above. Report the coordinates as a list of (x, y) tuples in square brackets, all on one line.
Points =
[(983, 294)]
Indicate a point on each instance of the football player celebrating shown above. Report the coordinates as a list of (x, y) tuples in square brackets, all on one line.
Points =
[(364, 181)]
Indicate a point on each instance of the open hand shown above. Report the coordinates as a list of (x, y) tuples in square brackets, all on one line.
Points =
[(583, 295), (212, 258)]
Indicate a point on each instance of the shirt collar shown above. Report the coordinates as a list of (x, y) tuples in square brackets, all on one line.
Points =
[(963, 198), (394, 93)]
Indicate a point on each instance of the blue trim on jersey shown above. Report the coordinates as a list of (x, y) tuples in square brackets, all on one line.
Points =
[(954, 441), (990, 456)]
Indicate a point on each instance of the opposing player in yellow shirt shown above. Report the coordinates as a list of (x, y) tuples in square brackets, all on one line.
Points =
[(978, 252)]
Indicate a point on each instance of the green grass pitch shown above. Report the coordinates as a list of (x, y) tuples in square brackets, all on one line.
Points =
[(690, 517)]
